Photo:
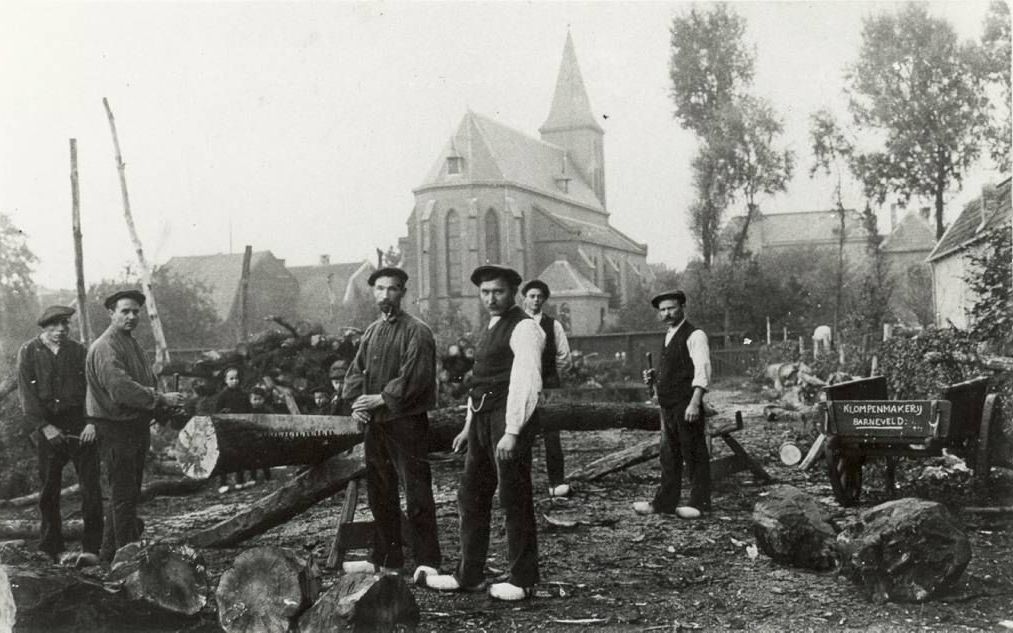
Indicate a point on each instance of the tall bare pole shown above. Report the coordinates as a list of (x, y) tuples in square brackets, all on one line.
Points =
[(161, 348), (244, 295), (75, 202)]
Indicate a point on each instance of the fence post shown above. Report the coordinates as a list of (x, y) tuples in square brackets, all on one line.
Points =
[(768, 330)]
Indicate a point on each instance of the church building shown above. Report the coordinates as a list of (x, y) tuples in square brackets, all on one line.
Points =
[(498, 195)]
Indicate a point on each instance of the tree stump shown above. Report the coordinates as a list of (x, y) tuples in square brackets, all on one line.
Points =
[(793, 529), (362, 602), (906, 550), (265, 590), (169, 576)]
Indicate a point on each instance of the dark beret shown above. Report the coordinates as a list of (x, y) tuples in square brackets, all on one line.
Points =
[(321, 389), (536, 283), (678, 295), (495, 271), (111, 300), (55, 313), (389, 271)]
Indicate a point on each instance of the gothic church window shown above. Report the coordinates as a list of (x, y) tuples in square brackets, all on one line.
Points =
[(492, 251), (453, 241)]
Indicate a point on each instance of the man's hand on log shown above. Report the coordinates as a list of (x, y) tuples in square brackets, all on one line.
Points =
[(361, 416), (367, 402), (506, 446), (87, 434), (172, 398)]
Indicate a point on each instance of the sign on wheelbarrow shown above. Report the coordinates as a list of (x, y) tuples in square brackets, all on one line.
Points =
[(911, 419)]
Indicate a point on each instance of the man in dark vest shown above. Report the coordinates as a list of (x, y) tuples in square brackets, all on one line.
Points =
[(503, 393), (680, 383), (555, 358)]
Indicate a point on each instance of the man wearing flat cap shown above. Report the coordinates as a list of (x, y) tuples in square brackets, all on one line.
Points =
[(122, 397), (503, 392), (680, 382), (392, 385), (555, 358), (52, 387)]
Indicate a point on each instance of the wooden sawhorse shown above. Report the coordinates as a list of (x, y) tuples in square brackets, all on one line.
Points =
[(739, 460)]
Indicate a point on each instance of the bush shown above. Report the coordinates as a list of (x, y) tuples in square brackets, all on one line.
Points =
[(910, 377)]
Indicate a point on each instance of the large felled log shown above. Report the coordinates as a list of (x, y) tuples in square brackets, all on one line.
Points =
[(793, 529), (29, 528), (294, 497), (33, 498), (170, 576), (626, 458), (211, 445), (906, 550), (362, 602), (265, 590)]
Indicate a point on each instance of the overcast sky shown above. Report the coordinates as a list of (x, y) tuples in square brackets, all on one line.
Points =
[(302, 128)]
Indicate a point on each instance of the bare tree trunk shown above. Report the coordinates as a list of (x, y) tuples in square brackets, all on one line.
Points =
[(75, 201), (244, 295)]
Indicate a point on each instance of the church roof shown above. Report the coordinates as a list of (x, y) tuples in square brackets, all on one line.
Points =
[(912, 233), (495, 153), (220, 273), (972, 224), (566, 281), (600, 234), (571, 107)]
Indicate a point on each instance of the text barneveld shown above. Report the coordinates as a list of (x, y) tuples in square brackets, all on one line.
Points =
[(887, 418)]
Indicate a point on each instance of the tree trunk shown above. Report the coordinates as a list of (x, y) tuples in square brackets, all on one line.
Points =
[(372, 602), (169, 576), (291, 499), (265, 590), (626, 458), (29, 528), (212, 445)]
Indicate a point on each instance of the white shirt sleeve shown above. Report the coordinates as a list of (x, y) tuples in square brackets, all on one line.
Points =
[(527, 342), (699, 351), (562, 346)]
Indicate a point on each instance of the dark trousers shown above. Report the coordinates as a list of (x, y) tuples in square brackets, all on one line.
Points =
[(681, 442), (123, 446), (396, 452), (483, 473), (554, 461), (52, 459)]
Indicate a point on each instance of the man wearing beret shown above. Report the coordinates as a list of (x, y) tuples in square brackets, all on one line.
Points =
[(555, 358), (392, 384), (122, 397), (680, 383), (52, 387), (503, 392)]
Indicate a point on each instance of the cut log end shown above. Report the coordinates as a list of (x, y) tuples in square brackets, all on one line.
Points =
[(197, 448), (265, 590), (169, 576)]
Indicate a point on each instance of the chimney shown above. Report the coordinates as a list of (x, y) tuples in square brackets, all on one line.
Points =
[(325, 260), (926, 213)]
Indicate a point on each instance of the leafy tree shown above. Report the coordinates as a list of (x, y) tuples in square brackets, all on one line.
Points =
[(990, 281), (922, 93), (872, 305), (997, 58), (916, 292), (185, 307), (449, 324), (18, 303), (711, 184)]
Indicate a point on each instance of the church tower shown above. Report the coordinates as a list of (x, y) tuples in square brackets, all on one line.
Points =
[(572, 126)]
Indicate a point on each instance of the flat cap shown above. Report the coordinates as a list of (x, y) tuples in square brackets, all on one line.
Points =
[(678, 295), (539, 284), (55, 313), (495, 271), (338, 369), (389, 271), (136, 295)]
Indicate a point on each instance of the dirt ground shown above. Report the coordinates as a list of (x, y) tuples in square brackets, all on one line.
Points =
[(616, 571)]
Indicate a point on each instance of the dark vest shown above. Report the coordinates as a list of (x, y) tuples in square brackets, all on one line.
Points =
[(490, 377), (675, 375), (550, 375)]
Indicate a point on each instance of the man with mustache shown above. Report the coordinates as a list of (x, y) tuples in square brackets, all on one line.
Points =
[(502, 394), (122, 396), (392, 382), (680, 383), (52, 387)]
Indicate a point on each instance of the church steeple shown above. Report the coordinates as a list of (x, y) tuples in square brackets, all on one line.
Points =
[(572, 125)]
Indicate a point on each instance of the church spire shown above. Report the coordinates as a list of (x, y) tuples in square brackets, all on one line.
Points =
[(570, 106)]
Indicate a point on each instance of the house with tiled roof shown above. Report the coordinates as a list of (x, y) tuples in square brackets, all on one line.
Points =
[(325, 289), (950, 259), (497, 195), (272, 288), (772, 232)]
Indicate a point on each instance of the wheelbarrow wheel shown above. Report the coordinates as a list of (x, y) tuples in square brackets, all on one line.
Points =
[(845, 472)]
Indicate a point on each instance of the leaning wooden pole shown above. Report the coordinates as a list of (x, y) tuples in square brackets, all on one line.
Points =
[(161, 347), (244, 295), (75, 207)]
